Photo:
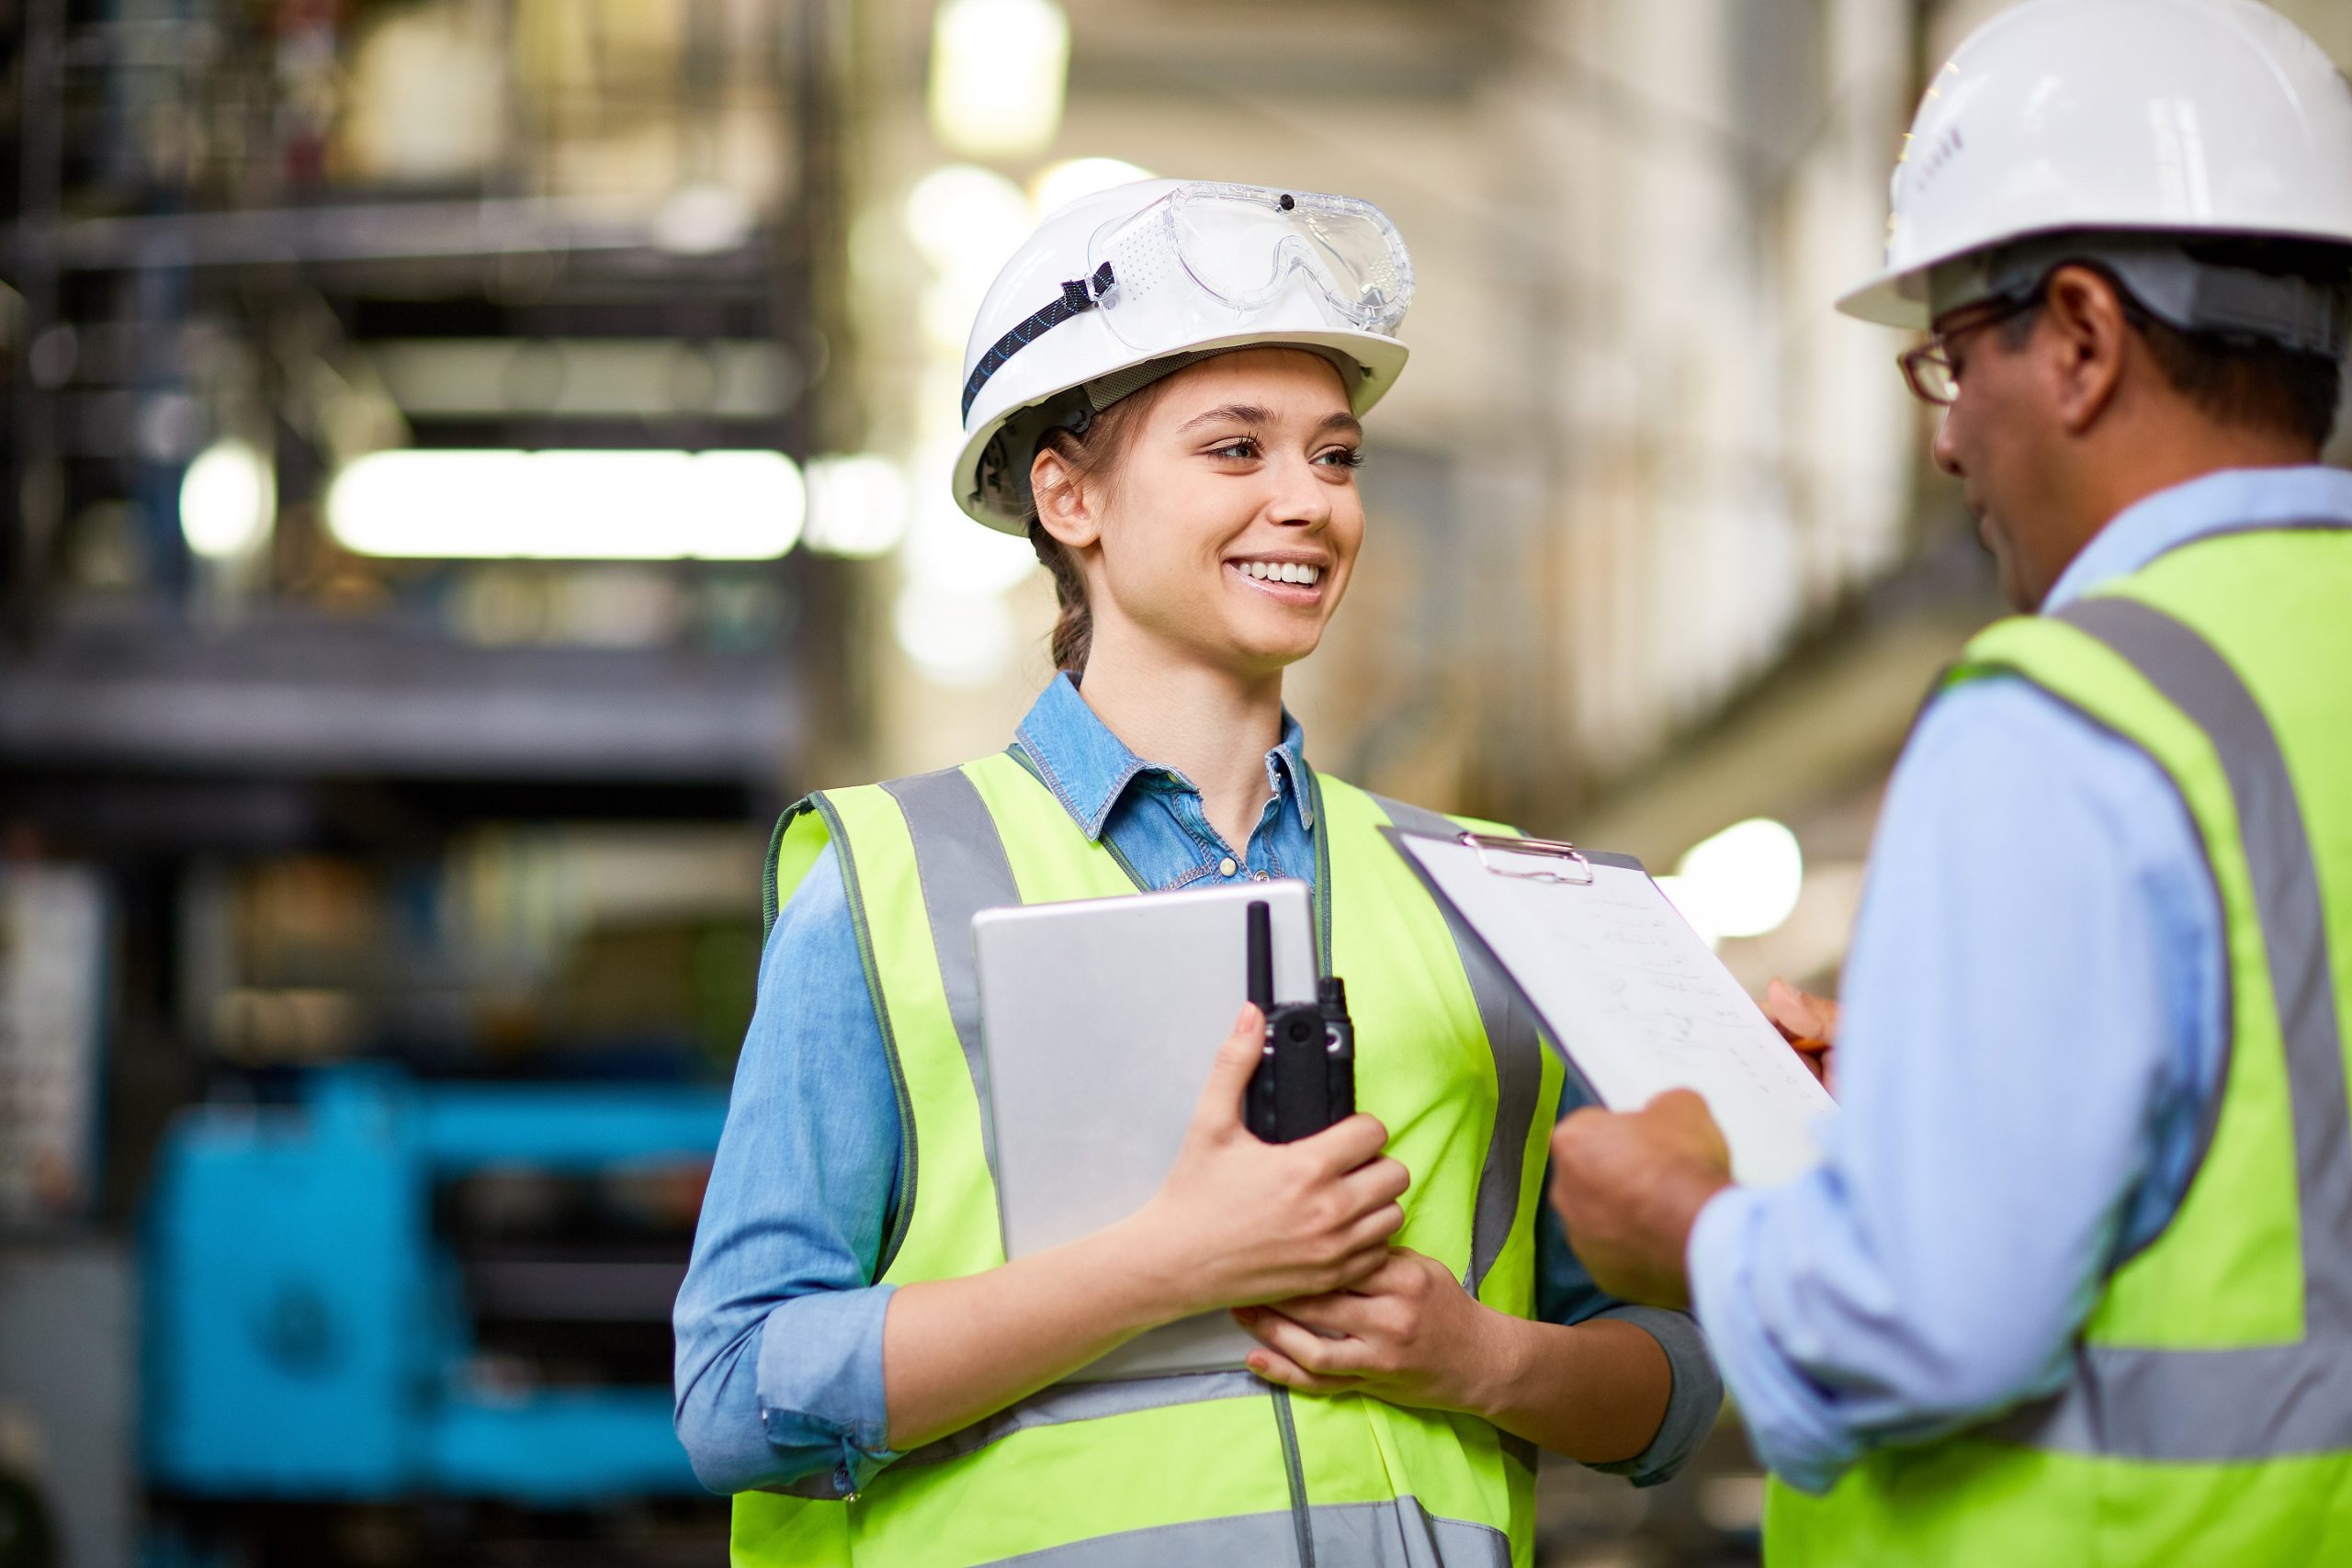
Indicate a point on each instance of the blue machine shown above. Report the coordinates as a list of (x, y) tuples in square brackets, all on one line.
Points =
[(306, 1334)]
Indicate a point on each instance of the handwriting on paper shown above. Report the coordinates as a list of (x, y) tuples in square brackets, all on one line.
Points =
[(1638, 1001)]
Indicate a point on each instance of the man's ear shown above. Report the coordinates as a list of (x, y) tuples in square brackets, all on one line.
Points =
[(1063, 508), (2088, 339)]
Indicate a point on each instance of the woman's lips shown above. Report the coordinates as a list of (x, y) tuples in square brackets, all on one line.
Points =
[(1282, 592)]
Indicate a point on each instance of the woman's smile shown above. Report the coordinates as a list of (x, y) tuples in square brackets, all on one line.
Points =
[(1286, 577)]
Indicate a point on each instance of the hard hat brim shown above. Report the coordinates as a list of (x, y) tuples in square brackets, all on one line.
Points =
[(1380, 359), (1892, 299)]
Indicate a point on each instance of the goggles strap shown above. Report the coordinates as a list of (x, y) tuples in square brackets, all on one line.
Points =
[(1080, 295)]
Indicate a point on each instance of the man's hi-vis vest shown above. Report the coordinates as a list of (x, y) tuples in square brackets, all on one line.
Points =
[(2207, 1417), (1210, 1467)]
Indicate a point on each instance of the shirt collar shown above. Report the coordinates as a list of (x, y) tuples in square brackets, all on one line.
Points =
[(2231, 498), (1090, 770)]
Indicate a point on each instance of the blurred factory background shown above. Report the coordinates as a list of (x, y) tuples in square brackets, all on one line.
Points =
[(469, 462)]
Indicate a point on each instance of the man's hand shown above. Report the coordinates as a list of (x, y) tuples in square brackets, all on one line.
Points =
[(1629, 1185), (1807, 1023), (1410, 1335)]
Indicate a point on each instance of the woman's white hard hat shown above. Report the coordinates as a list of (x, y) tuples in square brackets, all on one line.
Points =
[(1056, 340), (2189, 119)]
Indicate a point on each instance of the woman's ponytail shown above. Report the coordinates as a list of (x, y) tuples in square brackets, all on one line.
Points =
[(1074, 625)]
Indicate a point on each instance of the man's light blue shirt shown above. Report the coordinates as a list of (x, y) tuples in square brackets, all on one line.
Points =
[(779, 1324), (2032, 1035)]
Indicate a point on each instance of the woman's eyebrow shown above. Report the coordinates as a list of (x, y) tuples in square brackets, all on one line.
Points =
[(1239, 413), (1251, 414)]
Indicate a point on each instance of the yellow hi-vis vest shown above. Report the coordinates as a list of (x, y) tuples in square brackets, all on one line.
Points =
[(1207, 1468), (2207, 1418)]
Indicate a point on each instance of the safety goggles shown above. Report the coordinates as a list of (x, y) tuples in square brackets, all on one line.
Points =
[(1205, 260), (1206, 257)]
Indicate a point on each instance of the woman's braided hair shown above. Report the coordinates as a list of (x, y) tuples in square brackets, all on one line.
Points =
[(1093, 453)]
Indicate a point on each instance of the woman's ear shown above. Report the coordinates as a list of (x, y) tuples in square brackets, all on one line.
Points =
[(1062, 507)]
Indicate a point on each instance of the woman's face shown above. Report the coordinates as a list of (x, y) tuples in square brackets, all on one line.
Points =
[(1230, 523)]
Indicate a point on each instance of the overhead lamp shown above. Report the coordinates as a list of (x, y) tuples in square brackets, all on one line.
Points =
[(568, 505), (961, 217), (945, 548), (1744, 881), (228, 499), (998, 70), (960, 638), (704, 221), (857, 505), (1060, 183)]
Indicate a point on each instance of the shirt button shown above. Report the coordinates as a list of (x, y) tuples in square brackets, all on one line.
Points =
[(1226, 866)]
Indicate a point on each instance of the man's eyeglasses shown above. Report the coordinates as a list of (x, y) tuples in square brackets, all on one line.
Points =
[(1930, 370)]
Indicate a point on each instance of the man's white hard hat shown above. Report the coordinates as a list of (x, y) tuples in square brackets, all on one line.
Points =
[(1034, 362), (2186, 118)]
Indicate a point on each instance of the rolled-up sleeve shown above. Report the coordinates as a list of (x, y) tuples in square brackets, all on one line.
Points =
[(1565, 1293), (778, 1373)]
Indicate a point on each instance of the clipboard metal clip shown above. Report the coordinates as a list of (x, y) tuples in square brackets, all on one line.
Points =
[(1554, 848)]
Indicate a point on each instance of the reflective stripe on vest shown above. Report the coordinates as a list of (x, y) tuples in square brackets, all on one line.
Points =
[(1060, 1477), (2194, 1405), (1511, 1030), (1345, 1535)]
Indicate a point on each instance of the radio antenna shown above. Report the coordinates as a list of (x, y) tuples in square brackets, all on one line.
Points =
[(1261, 958)]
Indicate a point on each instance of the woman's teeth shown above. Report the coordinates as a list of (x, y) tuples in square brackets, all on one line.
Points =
[(1280, 571)]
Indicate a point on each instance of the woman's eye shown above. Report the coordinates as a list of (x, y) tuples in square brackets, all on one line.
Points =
[(1342, 458), (1240, 449)]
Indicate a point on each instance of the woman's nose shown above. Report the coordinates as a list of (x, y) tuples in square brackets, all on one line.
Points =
[(1303, 497)]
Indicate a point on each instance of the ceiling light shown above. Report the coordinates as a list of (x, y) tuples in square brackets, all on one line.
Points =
[(568, 505), (1061, 183), (1744, 881), (964, 218), (998, 69), (228, 499), (958, 637), (857, 505)]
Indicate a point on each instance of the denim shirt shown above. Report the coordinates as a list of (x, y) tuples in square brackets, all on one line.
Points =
[(2032, 1043), (779, 1324)]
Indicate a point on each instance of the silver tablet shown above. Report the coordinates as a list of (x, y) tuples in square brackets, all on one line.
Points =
[(1099, 1019)]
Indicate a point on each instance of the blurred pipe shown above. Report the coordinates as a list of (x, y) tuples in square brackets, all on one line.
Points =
[(37, 487), (377, 232)]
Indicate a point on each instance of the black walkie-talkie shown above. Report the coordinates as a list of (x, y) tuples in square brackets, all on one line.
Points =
[(1307, 1077)]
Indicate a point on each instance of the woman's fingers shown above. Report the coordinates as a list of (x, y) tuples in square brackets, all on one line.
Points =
[(1369, 1234), (1277, 1368), (1301, 1345), (1381, 1182), (1347, 1144), (1220, 1104), (1334, 1311)]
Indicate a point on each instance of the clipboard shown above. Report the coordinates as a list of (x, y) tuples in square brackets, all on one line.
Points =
[(1627, 992)]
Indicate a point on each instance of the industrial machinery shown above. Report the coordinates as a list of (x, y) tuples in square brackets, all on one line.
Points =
[(391, 1289)]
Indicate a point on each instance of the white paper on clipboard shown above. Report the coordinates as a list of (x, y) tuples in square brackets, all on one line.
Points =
[(1639, 1003)]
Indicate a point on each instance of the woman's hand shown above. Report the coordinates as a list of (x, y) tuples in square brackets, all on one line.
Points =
[(1240, 1221), (1408, 1334), (1807, 1023)]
